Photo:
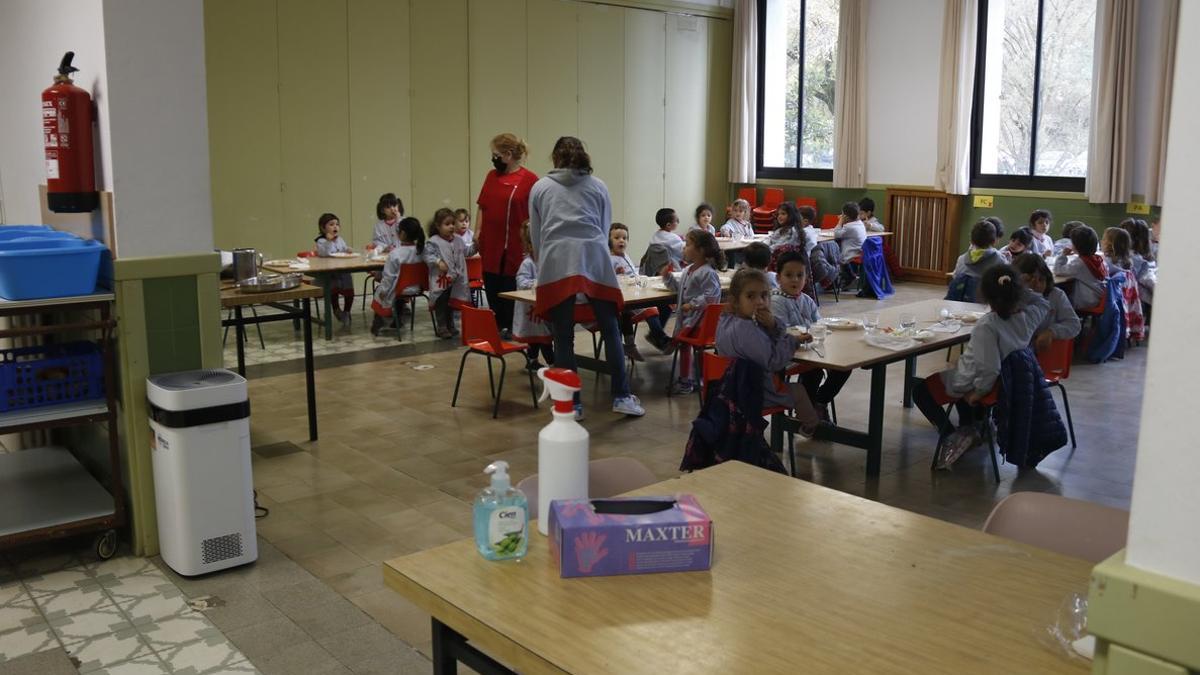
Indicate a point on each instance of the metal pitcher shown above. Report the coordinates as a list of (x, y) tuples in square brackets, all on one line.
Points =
[(246, 262)]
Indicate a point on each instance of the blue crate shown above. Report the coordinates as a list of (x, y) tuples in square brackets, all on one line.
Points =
[(49, 272), (31, 377)]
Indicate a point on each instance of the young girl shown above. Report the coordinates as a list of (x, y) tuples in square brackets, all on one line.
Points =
[(738, 224), (1019, 241), (704, 217), (528, 328), (793, 307), (1142, 258), (340, 284), (446, 256), (1061, 322), (748, 330), (1087, 269), (1011, 324), (462, 229), (618, 243), (388, 210), (1039, 229), (787, 232), (667, 223), (407, 252), (698, 287)]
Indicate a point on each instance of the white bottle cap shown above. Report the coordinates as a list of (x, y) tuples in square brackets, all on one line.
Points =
[(499, 473)]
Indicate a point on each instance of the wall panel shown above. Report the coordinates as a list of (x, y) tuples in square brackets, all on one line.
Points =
[(720, 60), (687, 82), (602, 97), (440, 127), (645, 94), (553, 78), (498, 75)]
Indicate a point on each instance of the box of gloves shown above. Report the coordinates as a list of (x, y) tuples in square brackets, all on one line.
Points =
[(629, 535)]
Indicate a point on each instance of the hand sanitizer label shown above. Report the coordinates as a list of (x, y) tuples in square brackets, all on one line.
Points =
[(506, 529)]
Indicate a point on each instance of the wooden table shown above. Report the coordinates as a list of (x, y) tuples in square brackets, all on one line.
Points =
[(847, 350), (324, 268), (286, 302), (804, 579), (728, 244)]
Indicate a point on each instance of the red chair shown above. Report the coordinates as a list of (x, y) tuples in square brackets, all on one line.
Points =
[(806, 201), (306, 254), (475, 279), (712, 369), (481, 336), (829, 221), (988, 405), (750, 194), (413, 274), (772, 198), (1056, 367), (704, 339)]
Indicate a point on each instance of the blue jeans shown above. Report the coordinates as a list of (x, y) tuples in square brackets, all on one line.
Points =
[(657, 323), (562, 322)]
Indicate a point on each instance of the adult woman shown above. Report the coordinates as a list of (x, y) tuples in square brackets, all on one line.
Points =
[(569, 216), (503, 204)]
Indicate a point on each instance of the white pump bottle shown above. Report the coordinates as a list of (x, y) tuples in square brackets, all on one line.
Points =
[(562, 446)]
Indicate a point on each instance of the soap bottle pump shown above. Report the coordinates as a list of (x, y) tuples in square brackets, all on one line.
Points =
[(501, 517), (562, 446)]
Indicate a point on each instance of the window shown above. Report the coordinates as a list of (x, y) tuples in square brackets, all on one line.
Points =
[(797, 48), (1033, 94)]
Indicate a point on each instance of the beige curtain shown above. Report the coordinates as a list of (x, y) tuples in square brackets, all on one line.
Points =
[(953, 173), (850, 97), (1157, 165), (1110, 156), (743, 110)]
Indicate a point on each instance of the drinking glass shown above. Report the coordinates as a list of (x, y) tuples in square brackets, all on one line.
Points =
[(871, 321), (818, 332), (908, 321)]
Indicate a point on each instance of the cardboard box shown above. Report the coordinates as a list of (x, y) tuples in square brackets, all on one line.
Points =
[(629, 535)]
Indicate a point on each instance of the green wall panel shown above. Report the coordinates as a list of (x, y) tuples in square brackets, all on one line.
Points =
[(645, 122), (441, 131), (172, 324), (1014, 211), (687, 82), (720, 58), (602, 97), (498, 75), (553, 90)]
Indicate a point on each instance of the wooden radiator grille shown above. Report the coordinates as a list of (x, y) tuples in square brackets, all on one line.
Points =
[(925, 227)]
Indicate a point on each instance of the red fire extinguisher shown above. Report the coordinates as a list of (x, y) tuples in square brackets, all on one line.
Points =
[(67, 135)]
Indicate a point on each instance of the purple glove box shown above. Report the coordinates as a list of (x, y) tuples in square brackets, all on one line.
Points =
[(629, 535)]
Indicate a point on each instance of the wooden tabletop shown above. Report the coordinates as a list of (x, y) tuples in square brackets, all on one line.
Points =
[(232, 297), (330, 265), (730, 244), (847, 349), (827, 235), (804, 579), (633, 295)]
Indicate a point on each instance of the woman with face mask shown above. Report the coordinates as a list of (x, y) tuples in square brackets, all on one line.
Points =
[(503, 204)]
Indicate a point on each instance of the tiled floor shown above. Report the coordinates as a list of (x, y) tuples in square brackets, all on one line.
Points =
[(396, 467)]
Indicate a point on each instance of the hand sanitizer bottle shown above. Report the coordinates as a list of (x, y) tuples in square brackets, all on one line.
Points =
[(501, 517)]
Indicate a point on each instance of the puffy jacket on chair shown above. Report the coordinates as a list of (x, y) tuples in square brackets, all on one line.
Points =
[(1108, 331), (654, 259), (730, 426), (962, 288), (1028, 426), (878, 284)]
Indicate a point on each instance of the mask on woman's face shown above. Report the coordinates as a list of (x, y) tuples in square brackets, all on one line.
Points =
[(499, 163)]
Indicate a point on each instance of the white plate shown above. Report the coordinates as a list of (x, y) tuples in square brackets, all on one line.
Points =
[(343, 254), (280, 263), (841, 324)]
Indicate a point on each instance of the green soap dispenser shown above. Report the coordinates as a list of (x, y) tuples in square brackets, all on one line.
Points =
[(501, 517)]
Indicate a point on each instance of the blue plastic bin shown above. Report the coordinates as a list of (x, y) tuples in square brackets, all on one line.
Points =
[(31, 377), (48, 272), (30, 243)]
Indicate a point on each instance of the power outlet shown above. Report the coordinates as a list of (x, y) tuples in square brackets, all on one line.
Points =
[(983, 201)]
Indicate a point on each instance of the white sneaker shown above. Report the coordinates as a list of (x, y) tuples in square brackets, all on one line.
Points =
[(628, 405)]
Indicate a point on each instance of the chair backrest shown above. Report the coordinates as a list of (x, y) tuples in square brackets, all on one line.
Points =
[(475, 268), (750, 194), (479, 325), (772, 198), (583, 313), (306, 254), (806, 201), (829, 221), (412, 274), (712, 369), (607, 477), (709, 322), (1055, 360), (1071, 527)]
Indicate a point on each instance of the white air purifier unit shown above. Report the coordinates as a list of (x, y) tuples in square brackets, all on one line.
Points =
[(203, 486)]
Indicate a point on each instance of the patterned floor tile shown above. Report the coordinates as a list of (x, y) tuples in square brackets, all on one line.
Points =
[(51, 583), (212, 655), (178, 630), (145, 665), (19, 612), (108, 649), (29, 639), (141, 610), (89, 625), (75, 600), (123, 566)]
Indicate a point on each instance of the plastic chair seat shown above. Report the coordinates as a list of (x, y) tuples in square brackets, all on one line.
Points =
[(504, 348), (643, 315), (829, 221)]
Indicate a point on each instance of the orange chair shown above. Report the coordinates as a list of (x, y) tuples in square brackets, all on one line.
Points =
[(475, 279), (704, 339), (750, 194), (413, 274), (481, 336), (988, 404), (806, 201), (829, 221), (765, 212), (1056, 367), (712, 369)]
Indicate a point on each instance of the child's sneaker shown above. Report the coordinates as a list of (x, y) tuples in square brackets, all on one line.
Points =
[(628, 405), (443, 333), (683, 387), (377, 325), (956, 444), (533, 365), (632, 352)]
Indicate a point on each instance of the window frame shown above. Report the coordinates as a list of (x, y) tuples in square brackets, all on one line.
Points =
[(1030, 181), (777, 172)]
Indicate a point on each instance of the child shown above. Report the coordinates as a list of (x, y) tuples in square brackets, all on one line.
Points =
[(852, 233), (1065, 241), (618, 242), (866, 213), (409, 251), (698, 287), (981, 255), (1087, 269), (758, 256), (1020, 241), (704, 217), (528, 328), (1039, 228), (668, 222), (1142, 258), (388, 210), (340, 284), (787, 232), (1116, 247), (748, 330), (808, 220), (997, 226), (1155, 231), (1008, 327), (738, 226), (1061, 322), (446, 256), (462, 229), (790, 305)]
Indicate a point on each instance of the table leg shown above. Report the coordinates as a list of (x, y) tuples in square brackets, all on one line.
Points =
[(239, 335), (309, 384), (910, 371), (444, 662), (296, 322), (875, 419), (325, 283), (777, 424), (449, 647)]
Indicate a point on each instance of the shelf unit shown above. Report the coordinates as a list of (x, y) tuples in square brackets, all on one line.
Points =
[(46, 492)]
